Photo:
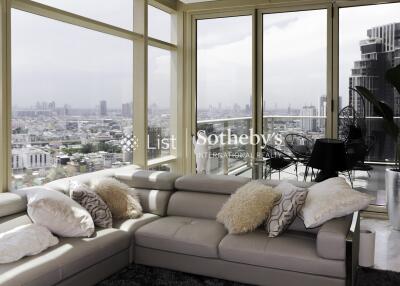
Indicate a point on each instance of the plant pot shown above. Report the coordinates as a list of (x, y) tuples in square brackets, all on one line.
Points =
[(393, 197)]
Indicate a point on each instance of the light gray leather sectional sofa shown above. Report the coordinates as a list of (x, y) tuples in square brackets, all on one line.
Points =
[(178, 231)]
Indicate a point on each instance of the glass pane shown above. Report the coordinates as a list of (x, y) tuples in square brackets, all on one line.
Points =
[(224, 89), (369, 46), (159, 103), (295, 85), (116, 12), (71, 100), (159, 24)]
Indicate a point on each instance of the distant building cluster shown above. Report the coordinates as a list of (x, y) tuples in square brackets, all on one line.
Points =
[(51, 142)]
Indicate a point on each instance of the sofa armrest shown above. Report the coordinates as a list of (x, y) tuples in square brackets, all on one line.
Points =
[(352, 250), (331, 238)]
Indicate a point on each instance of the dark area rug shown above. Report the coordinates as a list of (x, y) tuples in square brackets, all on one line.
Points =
[(138, 275)]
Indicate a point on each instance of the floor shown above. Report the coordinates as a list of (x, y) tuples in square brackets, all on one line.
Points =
[(387, 244)]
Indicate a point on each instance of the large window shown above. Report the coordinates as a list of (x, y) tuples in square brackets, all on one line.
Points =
[(369, 46), (224, 88), (295, 75), (71, 99)]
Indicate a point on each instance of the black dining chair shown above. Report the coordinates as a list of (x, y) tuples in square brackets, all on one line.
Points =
[(300, 146), (276, 161)]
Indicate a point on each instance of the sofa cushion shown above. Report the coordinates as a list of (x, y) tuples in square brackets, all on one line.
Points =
[(192, 204), (185, 235), (291, 251), (11, 203), (210, 183), (69, 257), (331, 239), (144, 179)]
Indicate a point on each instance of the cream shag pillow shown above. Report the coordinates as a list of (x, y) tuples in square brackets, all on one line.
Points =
[(248, 207), (115, 194)]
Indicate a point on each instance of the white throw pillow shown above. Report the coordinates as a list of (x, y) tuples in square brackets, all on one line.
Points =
[(330, 199), (58, 212), (25, 240)]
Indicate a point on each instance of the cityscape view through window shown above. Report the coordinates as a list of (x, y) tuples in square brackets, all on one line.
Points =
[(369, 46), (294, 83), (224, 86)]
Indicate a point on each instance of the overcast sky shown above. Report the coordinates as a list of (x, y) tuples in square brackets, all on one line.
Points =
[(294, 55), (71, 65), (55, 61)]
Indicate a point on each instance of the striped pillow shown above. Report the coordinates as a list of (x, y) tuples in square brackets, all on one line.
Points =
[(93, 203), (285, 210)]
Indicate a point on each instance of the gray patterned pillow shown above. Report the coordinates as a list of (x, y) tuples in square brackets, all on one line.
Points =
[(286, 209), (93, 203)]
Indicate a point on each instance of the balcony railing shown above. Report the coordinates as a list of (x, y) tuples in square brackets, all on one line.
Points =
[(228, 158)]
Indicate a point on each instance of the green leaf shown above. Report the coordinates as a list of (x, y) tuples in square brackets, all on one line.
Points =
[(393, 76)]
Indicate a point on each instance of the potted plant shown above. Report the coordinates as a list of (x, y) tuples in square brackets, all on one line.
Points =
[(393, 174)]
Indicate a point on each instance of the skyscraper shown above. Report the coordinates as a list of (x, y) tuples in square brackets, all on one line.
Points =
[(322, 111), (379, 52), (308, 123), (127, 109), (103, 108)]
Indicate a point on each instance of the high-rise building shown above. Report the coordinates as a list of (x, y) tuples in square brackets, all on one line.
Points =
[(309, 122), (322, 112), (127, 109), (103, 108), (379, 52)]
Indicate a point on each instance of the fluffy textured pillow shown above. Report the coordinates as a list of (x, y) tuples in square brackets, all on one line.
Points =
[(330, 199), (25, 240), (286, 209), (92, 202), (248, 207), (58, 212), (115, 194)]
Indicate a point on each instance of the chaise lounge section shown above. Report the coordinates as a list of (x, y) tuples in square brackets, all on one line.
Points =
[(179, 231)]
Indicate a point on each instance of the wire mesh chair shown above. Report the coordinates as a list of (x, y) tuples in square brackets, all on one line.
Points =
[(276, 161)]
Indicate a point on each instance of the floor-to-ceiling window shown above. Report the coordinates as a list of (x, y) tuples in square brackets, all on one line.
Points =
[(161, 90), (75, 72), (71, 99), (224, 89), (369, 45), (294, 76)]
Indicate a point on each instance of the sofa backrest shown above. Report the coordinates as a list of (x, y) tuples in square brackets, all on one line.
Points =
[(11, 203), (202, 196), (153, 188)]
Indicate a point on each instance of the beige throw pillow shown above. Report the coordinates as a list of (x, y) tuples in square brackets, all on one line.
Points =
[(248, 207), (115, 194)]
